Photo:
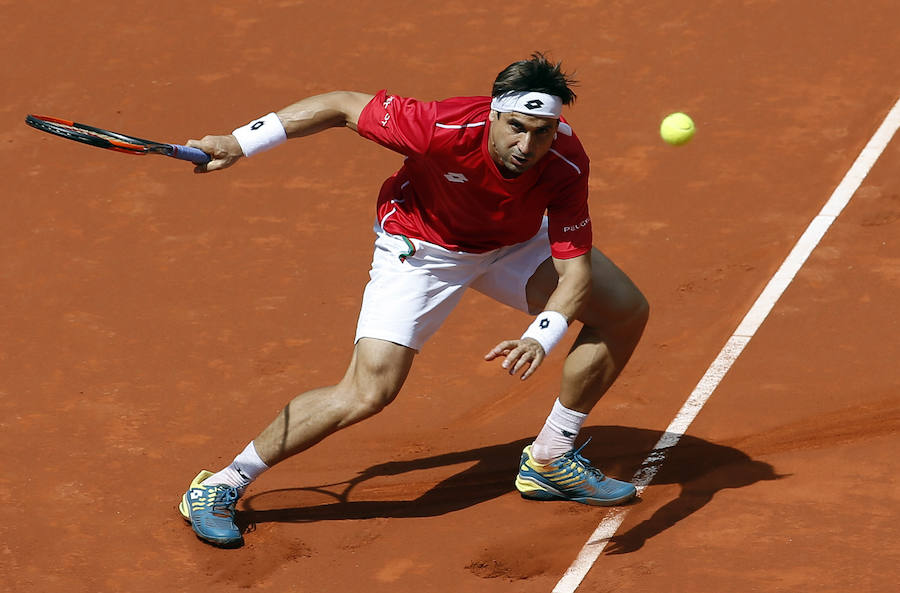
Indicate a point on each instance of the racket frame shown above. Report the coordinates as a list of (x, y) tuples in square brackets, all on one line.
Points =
[(116, 141)]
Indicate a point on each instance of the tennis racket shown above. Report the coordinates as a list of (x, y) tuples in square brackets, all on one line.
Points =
[(113, 140)]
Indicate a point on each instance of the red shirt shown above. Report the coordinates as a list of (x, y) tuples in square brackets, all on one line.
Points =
[(450, 192)]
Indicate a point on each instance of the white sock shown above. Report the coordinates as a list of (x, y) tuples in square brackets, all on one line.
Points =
[(245, 468), (558, 435)]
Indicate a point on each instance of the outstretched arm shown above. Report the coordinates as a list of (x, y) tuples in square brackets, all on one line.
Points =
[(305, 117), (567, 299)]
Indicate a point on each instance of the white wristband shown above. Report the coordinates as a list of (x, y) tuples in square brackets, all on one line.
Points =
[(260, 134), (548, 329)]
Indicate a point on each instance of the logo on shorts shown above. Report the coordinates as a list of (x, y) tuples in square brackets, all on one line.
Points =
[(534, 104), (456, 177)]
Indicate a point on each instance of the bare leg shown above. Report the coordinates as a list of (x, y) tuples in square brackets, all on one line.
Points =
[(613, 319), (372, 381)]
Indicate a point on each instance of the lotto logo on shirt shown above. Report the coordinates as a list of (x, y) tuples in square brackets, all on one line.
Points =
[(456, 177), (580, 225)]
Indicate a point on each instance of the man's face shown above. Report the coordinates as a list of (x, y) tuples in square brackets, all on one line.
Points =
[(518, 141)]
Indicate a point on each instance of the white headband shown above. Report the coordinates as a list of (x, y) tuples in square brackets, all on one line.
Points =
[(529, 103)]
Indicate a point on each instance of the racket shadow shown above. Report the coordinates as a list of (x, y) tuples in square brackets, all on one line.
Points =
[(490, 473), (700, 467)]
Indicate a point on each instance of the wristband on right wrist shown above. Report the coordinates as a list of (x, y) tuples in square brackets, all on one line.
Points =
[(260, 135)]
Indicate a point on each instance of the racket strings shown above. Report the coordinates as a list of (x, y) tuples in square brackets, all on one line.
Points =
[(96, 136), (93, 133)]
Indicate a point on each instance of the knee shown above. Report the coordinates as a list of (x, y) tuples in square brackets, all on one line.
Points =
[(627, 312), (376, 373), (636, 313), (631, 316), (367, 401), (367, 395), (640, 310)]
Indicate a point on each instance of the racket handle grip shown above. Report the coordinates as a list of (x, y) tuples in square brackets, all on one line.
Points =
[(187, 153)]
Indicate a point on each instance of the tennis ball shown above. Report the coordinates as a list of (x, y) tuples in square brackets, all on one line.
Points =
[(677, 129)]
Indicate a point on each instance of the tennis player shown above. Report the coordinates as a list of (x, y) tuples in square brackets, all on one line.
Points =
[(493, 196)]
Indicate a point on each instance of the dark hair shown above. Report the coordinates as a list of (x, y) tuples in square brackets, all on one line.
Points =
[(536, 74)]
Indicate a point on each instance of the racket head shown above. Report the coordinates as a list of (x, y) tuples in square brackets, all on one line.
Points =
[(92, 135), (110, 140)]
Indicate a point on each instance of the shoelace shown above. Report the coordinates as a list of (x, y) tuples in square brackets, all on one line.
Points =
[(584, 464), (223, 502)]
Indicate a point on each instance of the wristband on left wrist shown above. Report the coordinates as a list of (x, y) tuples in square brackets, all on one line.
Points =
[(548, 329)]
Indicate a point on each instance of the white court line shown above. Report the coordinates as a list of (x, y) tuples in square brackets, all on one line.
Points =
[(735, 345)]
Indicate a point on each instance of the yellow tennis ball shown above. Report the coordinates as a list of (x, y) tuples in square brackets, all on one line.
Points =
[(677, 129)]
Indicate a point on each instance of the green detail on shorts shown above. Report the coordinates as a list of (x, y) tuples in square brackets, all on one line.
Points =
[(410, 248)]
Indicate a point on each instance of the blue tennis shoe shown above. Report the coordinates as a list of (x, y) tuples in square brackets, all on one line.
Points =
[(570, 477), (210, 511)]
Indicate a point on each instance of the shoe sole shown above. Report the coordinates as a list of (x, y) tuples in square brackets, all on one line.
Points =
[(531, 489)]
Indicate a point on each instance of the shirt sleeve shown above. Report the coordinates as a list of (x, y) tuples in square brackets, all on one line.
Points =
[(569, 220), (402, 124)]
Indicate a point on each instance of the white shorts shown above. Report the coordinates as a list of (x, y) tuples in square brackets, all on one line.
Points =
[(408, 299)]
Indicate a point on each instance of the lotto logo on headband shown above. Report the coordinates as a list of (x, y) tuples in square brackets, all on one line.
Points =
[(529, 102)]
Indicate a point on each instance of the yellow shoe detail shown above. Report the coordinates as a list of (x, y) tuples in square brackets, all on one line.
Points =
[(184, 504)]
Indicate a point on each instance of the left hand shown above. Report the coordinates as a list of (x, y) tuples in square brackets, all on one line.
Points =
[(520, 354)]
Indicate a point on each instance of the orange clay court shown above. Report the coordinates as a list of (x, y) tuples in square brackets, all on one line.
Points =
[(152, 320)]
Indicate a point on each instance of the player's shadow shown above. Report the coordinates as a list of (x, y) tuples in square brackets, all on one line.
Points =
[(700, 467)]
